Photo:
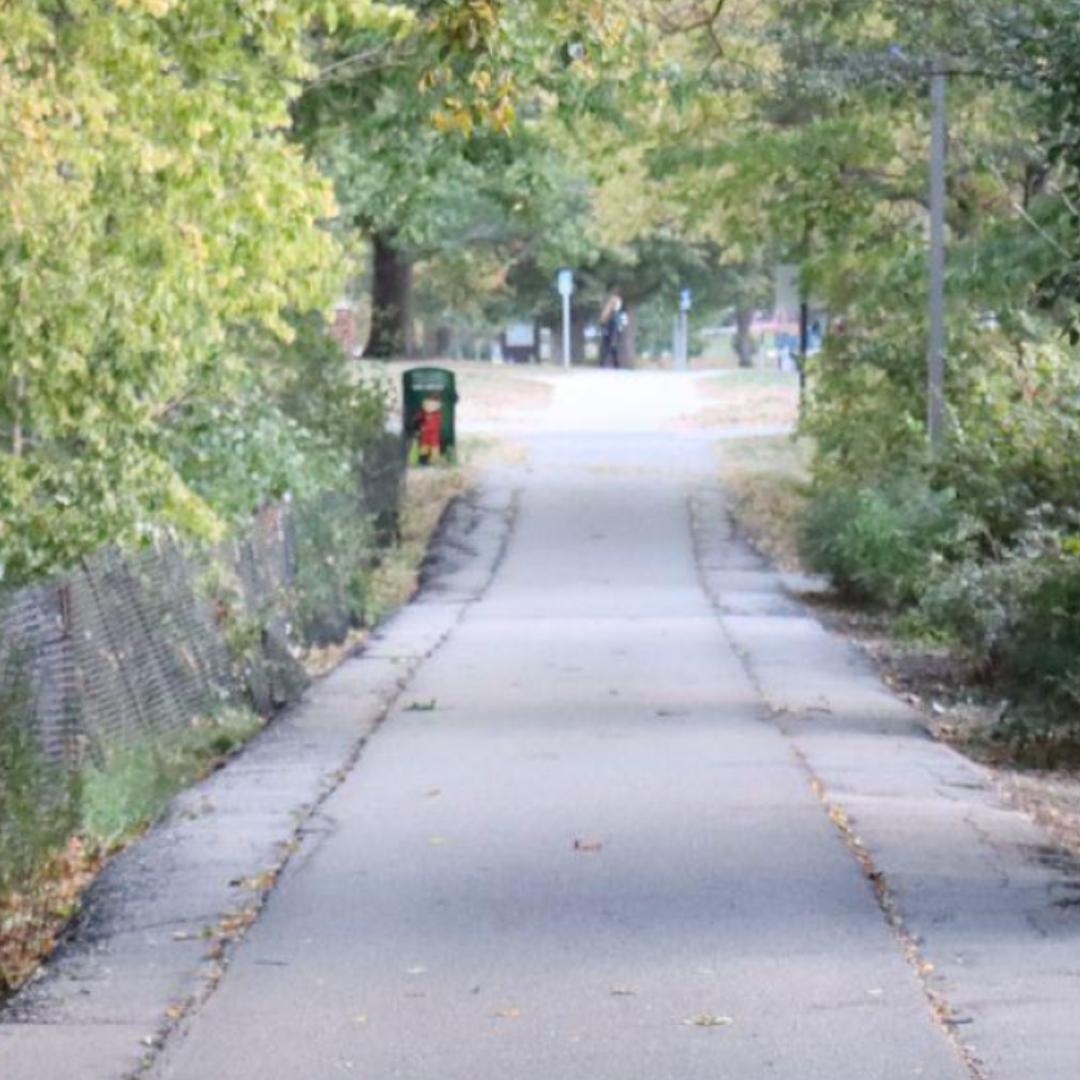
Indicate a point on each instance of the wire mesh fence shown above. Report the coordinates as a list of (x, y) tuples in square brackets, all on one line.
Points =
[(142, 643)]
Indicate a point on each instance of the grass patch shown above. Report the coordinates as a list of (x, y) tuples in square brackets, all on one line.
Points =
[(718, 383), (122, 793), (767, 480), (37, 805), (428, 492), (57, 831)]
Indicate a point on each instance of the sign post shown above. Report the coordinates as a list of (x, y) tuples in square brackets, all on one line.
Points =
[(566, 290), (682, 356)]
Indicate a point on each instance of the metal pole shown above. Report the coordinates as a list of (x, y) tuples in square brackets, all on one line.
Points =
[(935, 417), (566, 331)]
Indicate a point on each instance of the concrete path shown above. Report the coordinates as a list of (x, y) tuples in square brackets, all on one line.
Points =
[(636, 816), (592, 858)]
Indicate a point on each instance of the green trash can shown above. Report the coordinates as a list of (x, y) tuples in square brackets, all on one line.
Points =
[(429, 398)]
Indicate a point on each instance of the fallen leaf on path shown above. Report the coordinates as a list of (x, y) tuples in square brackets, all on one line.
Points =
[(437, 841), (507, 1014), (708, 1020), (256, 882), (235, 924), (587, 845), (421, 706), (174, 1012)]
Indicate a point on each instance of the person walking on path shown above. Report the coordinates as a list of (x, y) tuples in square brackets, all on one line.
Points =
[(611, 329)]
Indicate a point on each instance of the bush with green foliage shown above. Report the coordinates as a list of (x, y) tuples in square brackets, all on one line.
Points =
[(296, 426), (877, 541), (1018, 615), (333, 549)]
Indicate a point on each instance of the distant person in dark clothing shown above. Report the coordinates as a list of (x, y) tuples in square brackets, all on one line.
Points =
[(611, 327)]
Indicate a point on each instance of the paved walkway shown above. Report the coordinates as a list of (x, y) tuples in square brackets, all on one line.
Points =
[(591, 860), (638, 817)]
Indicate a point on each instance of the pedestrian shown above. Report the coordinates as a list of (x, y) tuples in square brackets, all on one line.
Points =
[(611, 327)]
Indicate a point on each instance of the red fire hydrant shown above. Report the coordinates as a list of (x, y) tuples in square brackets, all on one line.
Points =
[(429, 425)]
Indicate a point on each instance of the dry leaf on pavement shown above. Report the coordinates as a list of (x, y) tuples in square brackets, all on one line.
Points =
[(587, 845), (708, 1020)]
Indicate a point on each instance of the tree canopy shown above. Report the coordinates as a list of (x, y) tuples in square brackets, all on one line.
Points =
[(187, 184)]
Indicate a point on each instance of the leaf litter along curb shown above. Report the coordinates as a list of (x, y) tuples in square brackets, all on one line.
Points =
[(32, 920)]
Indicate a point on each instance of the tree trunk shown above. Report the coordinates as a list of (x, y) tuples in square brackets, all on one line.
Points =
[(744, 345), (444, 342), (391, 302)]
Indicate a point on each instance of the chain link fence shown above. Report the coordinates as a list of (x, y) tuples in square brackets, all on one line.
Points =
[(129, 645)]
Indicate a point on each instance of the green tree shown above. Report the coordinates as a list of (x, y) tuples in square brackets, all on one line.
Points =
[(437, 138), (152, 207)]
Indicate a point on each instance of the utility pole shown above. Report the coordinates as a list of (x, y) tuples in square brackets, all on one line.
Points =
[(935, 414)]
